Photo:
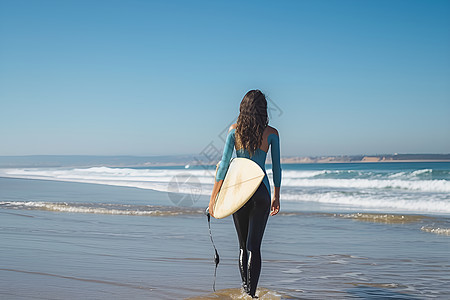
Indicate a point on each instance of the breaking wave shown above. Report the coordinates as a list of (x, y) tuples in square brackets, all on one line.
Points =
[(440, 186), (375, 201), (158, 179), (102, 208), (417, 190), (436, 230)]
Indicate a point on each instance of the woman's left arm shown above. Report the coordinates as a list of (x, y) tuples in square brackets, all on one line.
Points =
[(276, 171)]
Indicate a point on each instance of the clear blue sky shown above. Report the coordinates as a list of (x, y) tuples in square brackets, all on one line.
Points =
[(166, 77)]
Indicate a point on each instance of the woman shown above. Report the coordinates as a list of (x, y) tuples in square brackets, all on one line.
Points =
[(251, 137)]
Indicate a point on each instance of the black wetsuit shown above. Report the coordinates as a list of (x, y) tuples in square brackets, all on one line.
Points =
[(250, 222)]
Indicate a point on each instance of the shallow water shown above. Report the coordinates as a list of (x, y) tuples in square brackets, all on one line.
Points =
[(63, 240)]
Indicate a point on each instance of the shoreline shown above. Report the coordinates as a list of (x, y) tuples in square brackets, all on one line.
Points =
[(362, 161), (140, 197)]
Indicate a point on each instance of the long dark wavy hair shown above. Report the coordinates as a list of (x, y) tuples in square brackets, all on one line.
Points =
[(252, 121)]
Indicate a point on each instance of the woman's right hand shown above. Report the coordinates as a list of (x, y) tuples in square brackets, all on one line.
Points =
[(275, 208)]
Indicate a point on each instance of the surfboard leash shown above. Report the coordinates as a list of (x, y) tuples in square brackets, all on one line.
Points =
[(216, 254)]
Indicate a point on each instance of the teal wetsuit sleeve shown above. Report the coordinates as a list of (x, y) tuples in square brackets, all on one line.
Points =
[(274, 142), (226, 156)]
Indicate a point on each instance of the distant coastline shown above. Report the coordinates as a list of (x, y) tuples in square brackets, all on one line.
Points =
[(35, 161), (367, 158)]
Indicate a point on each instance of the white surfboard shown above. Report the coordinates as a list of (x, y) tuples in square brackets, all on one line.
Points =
[(240, 183)]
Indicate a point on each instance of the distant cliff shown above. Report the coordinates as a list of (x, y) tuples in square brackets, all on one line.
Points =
[(367, 158)]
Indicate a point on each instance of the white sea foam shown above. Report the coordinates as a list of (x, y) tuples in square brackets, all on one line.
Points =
[(159, 178), (436, 230), (398, 191), (420, 172), (440, 186), (397, 175), (302, 174), (375, 201), (99, 208), (154, 179), (105, 173)]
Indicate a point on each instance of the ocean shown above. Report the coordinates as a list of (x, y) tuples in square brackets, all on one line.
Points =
[(345, 231)]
